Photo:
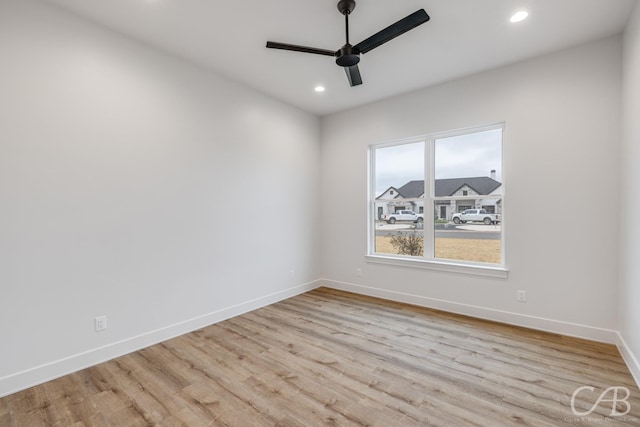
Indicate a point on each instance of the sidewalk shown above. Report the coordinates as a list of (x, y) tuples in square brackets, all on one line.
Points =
[(479, 227), (448, 226)]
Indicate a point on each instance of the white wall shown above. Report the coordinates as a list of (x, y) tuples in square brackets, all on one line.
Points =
[(630, 203), (125, 177), (562, 114)]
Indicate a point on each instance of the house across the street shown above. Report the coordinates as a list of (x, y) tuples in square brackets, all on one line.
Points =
[(458, 194)]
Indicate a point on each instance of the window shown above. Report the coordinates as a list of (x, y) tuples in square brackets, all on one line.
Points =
[(454, 183)]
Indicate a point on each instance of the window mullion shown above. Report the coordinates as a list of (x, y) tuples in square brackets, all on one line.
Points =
[(429, 220)]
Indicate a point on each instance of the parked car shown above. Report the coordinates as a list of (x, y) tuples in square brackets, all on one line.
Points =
[(406, 216), (476, 215)]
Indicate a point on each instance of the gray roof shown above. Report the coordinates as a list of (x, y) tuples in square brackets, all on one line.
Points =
[(482, 185), (412, 189)]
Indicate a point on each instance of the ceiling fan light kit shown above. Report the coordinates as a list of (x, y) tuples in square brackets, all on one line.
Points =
[(348, 55)]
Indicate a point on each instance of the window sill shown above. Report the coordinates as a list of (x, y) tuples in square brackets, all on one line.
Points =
[(474, 270)]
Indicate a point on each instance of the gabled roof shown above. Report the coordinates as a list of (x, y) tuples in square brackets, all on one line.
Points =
[(482, 185), (412, 189), (387, 190)]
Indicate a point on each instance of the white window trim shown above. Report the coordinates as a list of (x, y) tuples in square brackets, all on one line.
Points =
[(468, 267), (428, 261)]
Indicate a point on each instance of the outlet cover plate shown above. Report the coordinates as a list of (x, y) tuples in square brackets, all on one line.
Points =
[(101, 323)]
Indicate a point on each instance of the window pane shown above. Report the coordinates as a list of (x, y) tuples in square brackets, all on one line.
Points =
[(468, 204), (474, 242), (399, 199), (469, 163)]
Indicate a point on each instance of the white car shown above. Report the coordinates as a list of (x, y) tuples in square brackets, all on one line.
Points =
[(411, 216), (476, 215)]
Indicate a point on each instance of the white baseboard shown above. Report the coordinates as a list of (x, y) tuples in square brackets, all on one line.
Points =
[(629, 358), (516, 319), (41, 374)]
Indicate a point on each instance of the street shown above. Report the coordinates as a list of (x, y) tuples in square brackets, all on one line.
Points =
[(448, 230)]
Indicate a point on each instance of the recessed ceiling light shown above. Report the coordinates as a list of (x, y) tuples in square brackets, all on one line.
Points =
[(519, 16), (319, 89)]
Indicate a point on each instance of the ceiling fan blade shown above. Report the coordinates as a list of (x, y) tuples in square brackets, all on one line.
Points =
[(392, 31), (353, 74), (285, 46)]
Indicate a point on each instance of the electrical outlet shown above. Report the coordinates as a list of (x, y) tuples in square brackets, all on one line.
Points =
[(522, 296), (292, 274), (101, 323), (358, 272)]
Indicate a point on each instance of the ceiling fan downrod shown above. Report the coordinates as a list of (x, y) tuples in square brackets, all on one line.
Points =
[(347, 56)]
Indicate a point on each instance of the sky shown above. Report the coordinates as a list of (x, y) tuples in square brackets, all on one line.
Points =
[(463, 156)]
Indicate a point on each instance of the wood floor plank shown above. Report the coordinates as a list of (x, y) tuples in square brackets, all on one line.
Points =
[(332, 358)]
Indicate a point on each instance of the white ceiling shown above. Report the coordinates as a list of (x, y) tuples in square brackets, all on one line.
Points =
[(462, 38)]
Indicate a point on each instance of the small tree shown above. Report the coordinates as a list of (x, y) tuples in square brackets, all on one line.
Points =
[(410, 243)]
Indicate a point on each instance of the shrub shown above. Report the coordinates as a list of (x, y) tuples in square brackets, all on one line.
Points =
[(410, 243)]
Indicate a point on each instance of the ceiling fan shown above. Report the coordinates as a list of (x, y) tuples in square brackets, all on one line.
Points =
[(348, 56)]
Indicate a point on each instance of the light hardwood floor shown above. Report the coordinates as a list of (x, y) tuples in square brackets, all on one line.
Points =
[(334, 358)]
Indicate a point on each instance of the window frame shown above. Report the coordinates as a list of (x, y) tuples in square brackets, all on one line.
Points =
[(428, 260)]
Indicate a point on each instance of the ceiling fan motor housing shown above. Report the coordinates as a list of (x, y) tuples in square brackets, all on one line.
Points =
[(347, 56)]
